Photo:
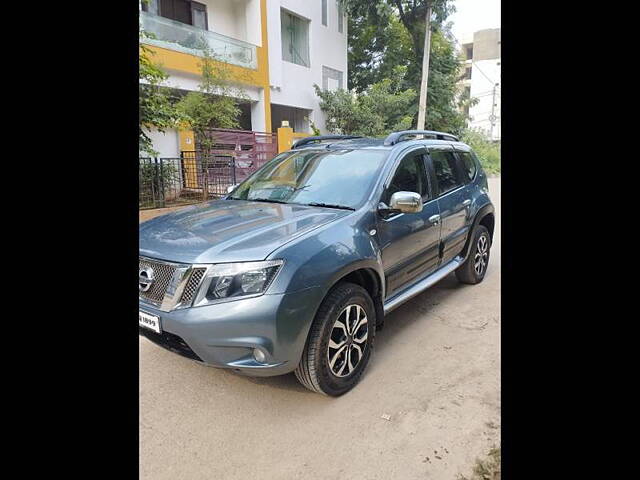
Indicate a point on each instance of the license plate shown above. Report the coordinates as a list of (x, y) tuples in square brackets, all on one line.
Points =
[(149, 321)]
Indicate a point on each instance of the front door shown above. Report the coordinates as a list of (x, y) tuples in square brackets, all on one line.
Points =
[(409, 241), (453, 201)]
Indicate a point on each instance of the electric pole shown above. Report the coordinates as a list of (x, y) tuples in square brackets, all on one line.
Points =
[(422, 107), (492, 118)]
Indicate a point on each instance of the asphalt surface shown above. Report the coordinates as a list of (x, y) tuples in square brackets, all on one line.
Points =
[(435, 374)]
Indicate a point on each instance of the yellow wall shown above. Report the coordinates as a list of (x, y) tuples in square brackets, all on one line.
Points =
[(184, 62)]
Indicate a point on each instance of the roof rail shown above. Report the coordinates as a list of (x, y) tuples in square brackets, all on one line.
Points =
[(320, 138), (396, 137)]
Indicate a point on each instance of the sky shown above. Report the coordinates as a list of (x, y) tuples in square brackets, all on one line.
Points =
[(473, 15)]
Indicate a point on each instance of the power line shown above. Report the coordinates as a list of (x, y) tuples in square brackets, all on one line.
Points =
[(480, 70), (486, 94)]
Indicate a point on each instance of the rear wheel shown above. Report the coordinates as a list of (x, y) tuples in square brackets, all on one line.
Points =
[(340, 341), (474, 268)]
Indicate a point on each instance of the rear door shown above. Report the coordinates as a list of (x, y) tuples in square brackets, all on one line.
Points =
[(409, 242), (453, 200), (470, 173)]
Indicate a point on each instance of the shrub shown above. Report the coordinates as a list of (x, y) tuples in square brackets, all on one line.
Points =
[(488, 151)]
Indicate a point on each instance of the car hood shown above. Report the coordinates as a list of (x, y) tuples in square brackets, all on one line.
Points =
[(229, 230)]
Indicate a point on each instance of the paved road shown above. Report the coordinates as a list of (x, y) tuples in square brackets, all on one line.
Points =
[(435, 371)]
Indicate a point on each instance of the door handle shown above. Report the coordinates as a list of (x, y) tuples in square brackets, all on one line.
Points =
[(434, 219), (466, 203)]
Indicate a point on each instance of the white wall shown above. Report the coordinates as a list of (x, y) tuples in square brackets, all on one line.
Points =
[(253, 21), (292, 84), (167, 144), (227, 17)]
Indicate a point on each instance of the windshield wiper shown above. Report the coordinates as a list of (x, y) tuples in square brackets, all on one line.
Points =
[(329, 205), (270, 200)]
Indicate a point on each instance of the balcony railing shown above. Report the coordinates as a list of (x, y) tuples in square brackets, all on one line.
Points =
[(187, 39)]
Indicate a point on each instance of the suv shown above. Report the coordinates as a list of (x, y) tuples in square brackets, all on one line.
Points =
[(295, 269)]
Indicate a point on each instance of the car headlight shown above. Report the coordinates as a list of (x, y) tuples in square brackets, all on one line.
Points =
[(226, 281)]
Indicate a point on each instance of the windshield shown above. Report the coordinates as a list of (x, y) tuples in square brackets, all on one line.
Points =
[(339, 179)]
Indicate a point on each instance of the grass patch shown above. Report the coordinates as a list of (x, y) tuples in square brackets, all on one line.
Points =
[(486, 468)]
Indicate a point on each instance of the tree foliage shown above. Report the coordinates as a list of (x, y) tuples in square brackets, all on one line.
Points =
[(375, 111), (385, 34), (214, 105), (488, 151), (155, 105)]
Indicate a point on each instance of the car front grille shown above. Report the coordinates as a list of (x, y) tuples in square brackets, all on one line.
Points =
[(192, 286), (171, 342), (163, 274)]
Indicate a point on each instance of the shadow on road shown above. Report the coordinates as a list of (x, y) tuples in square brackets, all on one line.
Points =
[(417, 309)]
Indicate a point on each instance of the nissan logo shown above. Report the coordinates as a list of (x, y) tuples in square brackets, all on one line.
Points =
[(145, 279)]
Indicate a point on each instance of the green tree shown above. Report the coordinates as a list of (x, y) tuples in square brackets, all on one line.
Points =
[(381, 108), (155, 105), (376, 46), (214, 105), (384, 34)]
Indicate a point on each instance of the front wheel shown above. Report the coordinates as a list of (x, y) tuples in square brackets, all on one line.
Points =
[(340, 341), (474, 268)]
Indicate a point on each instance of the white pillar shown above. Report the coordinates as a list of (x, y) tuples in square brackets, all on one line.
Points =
[(258, 122)]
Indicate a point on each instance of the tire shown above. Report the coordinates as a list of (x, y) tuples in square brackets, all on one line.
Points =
[(316, 371), (467, 272)]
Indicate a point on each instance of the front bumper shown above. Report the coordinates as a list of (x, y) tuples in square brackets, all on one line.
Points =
[(224, 335)]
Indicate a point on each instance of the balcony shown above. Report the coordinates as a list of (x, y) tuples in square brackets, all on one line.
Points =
[(184, 38)]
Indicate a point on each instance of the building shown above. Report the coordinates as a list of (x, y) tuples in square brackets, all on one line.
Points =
[(481, 79), (276, 49)]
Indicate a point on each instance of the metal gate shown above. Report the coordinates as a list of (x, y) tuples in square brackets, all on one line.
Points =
[(236, 154)]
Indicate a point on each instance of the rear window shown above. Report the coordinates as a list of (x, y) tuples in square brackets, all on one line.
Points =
[(444, 164), (468, 165)]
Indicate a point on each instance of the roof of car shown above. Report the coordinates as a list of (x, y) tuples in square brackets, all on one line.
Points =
[(344, 142), (369, 143)]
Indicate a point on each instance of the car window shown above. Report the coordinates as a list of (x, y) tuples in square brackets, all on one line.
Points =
[(468, 165), (444, 164), (337, 177), (410, 176)]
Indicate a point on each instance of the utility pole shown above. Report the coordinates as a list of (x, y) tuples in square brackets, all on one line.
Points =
[(422, 107), (492, 118)]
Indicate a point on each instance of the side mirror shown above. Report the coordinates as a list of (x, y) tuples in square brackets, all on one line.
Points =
[(406, 202), (231, 188)]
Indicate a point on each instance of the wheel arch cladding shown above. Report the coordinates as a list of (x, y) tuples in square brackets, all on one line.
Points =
[(488, 221), (484, 217), (367, 278), (368, 275)]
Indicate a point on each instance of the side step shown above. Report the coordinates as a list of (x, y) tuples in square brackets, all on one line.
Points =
[(422, 285)]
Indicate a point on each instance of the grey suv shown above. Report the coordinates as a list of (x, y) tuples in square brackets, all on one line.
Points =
[(295, 269)]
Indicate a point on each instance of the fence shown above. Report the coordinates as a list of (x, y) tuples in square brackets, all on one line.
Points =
[(162, 183), (197, 177)]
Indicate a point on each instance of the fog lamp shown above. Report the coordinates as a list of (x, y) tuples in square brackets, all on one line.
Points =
[(259, 355)]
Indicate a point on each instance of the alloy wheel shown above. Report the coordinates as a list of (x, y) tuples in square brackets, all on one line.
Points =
[(482, 255), (348, 340)]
